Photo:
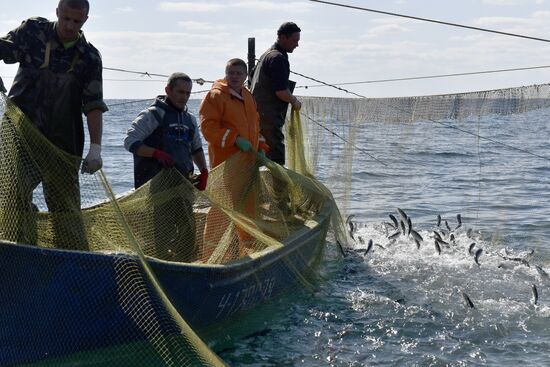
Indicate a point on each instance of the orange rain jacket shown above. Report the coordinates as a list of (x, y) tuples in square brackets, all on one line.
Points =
[(224, 116)]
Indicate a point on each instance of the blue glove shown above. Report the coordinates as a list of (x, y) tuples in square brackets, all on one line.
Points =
[(243, 144)]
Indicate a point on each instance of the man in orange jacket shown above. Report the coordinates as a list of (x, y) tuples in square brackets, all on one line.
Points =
[(230, 124), (229, 118)]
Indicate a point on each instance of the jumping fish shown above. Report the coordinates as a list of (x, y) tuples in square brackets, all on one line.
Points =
[(447, 225), (541, 271), (379, 245), (437, 235), (437, 247), (477, 255), (369, 247), (361, 240), (438, 220), (394, 220), (459, 221), (341, 248), (349, 222), (469, 233), (452, 237), (409, 226), (535, 294), (467, 299), (441, 241), (402, 227), (394, 235), (416, 236), (402, 213), (471, 247), (417, 243)]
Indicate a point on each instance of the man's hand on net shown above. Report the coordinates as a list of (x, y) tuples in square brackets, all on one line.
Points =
[(163, 158), (93, 162), (296, 104), (243, 144), (202, 180)]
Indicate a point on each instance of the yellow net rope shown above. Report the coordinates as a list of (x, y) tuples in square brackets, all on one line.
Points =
[(133, 280)]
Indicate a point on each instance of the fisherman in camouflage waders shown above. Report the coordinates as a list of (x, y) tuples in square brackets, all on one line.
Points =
[(59, 79)]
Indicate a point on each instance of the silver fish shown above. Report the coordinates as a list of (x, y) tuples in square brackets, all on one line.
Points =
[(390, 225), (402, 226), (438, 220), (471, 247), (437, 235), (409, 226), (477, 255), (379, 245), (469, 233), (467, 299), (447, 225), (437, 247), (535, 292), (341, 248), (452, 237), (417, 243), (394, 235), (459, 221), (416, 236), (369, 247), (441, 241), (394, 220), (402, 213), (541, 271)]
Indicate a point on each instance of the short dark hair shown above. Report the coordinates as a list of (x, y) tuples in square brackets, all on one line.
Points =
[(173, 79), (75, 4), (236, 62), (288, 28)]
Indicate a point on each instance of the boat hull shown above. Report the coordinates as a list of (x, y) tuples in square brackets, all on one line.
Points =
[(57, 303)]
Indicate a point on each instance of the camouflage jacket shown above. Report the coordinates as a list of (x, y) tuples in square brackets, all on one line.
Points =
[(26, 45)]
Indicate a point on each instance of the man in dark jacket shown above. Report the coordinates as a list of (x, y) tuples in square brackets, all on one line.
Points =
[(272, 89)]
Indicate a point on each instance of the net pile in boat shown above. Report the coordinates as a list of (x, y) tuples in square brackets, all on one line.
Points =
[(247, 208)]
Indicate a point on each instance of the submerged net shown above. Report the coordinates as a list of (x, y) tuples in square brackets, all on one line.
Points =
[(139, 279)]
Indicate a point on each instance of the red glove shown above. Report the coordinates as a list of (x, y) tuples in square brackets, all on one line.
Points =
[(164, 158), (202, 179)]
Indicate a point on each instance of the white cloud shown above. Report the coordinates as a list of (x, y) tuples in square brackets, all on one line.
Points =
[(384, 29), (201, 26), (502, 2), (190, 7), (292, 7), (126, 9), (261, 5)]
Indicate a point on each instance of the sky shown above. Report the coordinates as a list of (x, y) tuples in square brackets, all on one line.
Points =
[(337, 45)]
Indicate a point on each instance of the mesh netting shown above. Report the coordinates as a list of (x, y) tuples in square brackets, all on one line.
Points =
[(334, 126), (90, 277)]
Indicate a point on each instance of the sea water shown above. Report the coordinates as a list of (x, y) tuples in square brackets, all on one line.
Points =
[(399, 305)]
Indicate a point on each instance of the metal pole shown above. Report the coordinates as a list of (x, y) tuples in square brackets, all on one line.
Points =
[(251, 58)]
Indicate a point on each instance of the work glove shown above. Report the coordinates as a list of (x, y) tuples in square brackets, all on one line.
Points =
[(261, 157), (163, 158), (93, 161), (296, 104), (202, 180), (243, 144), (2, 88)]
